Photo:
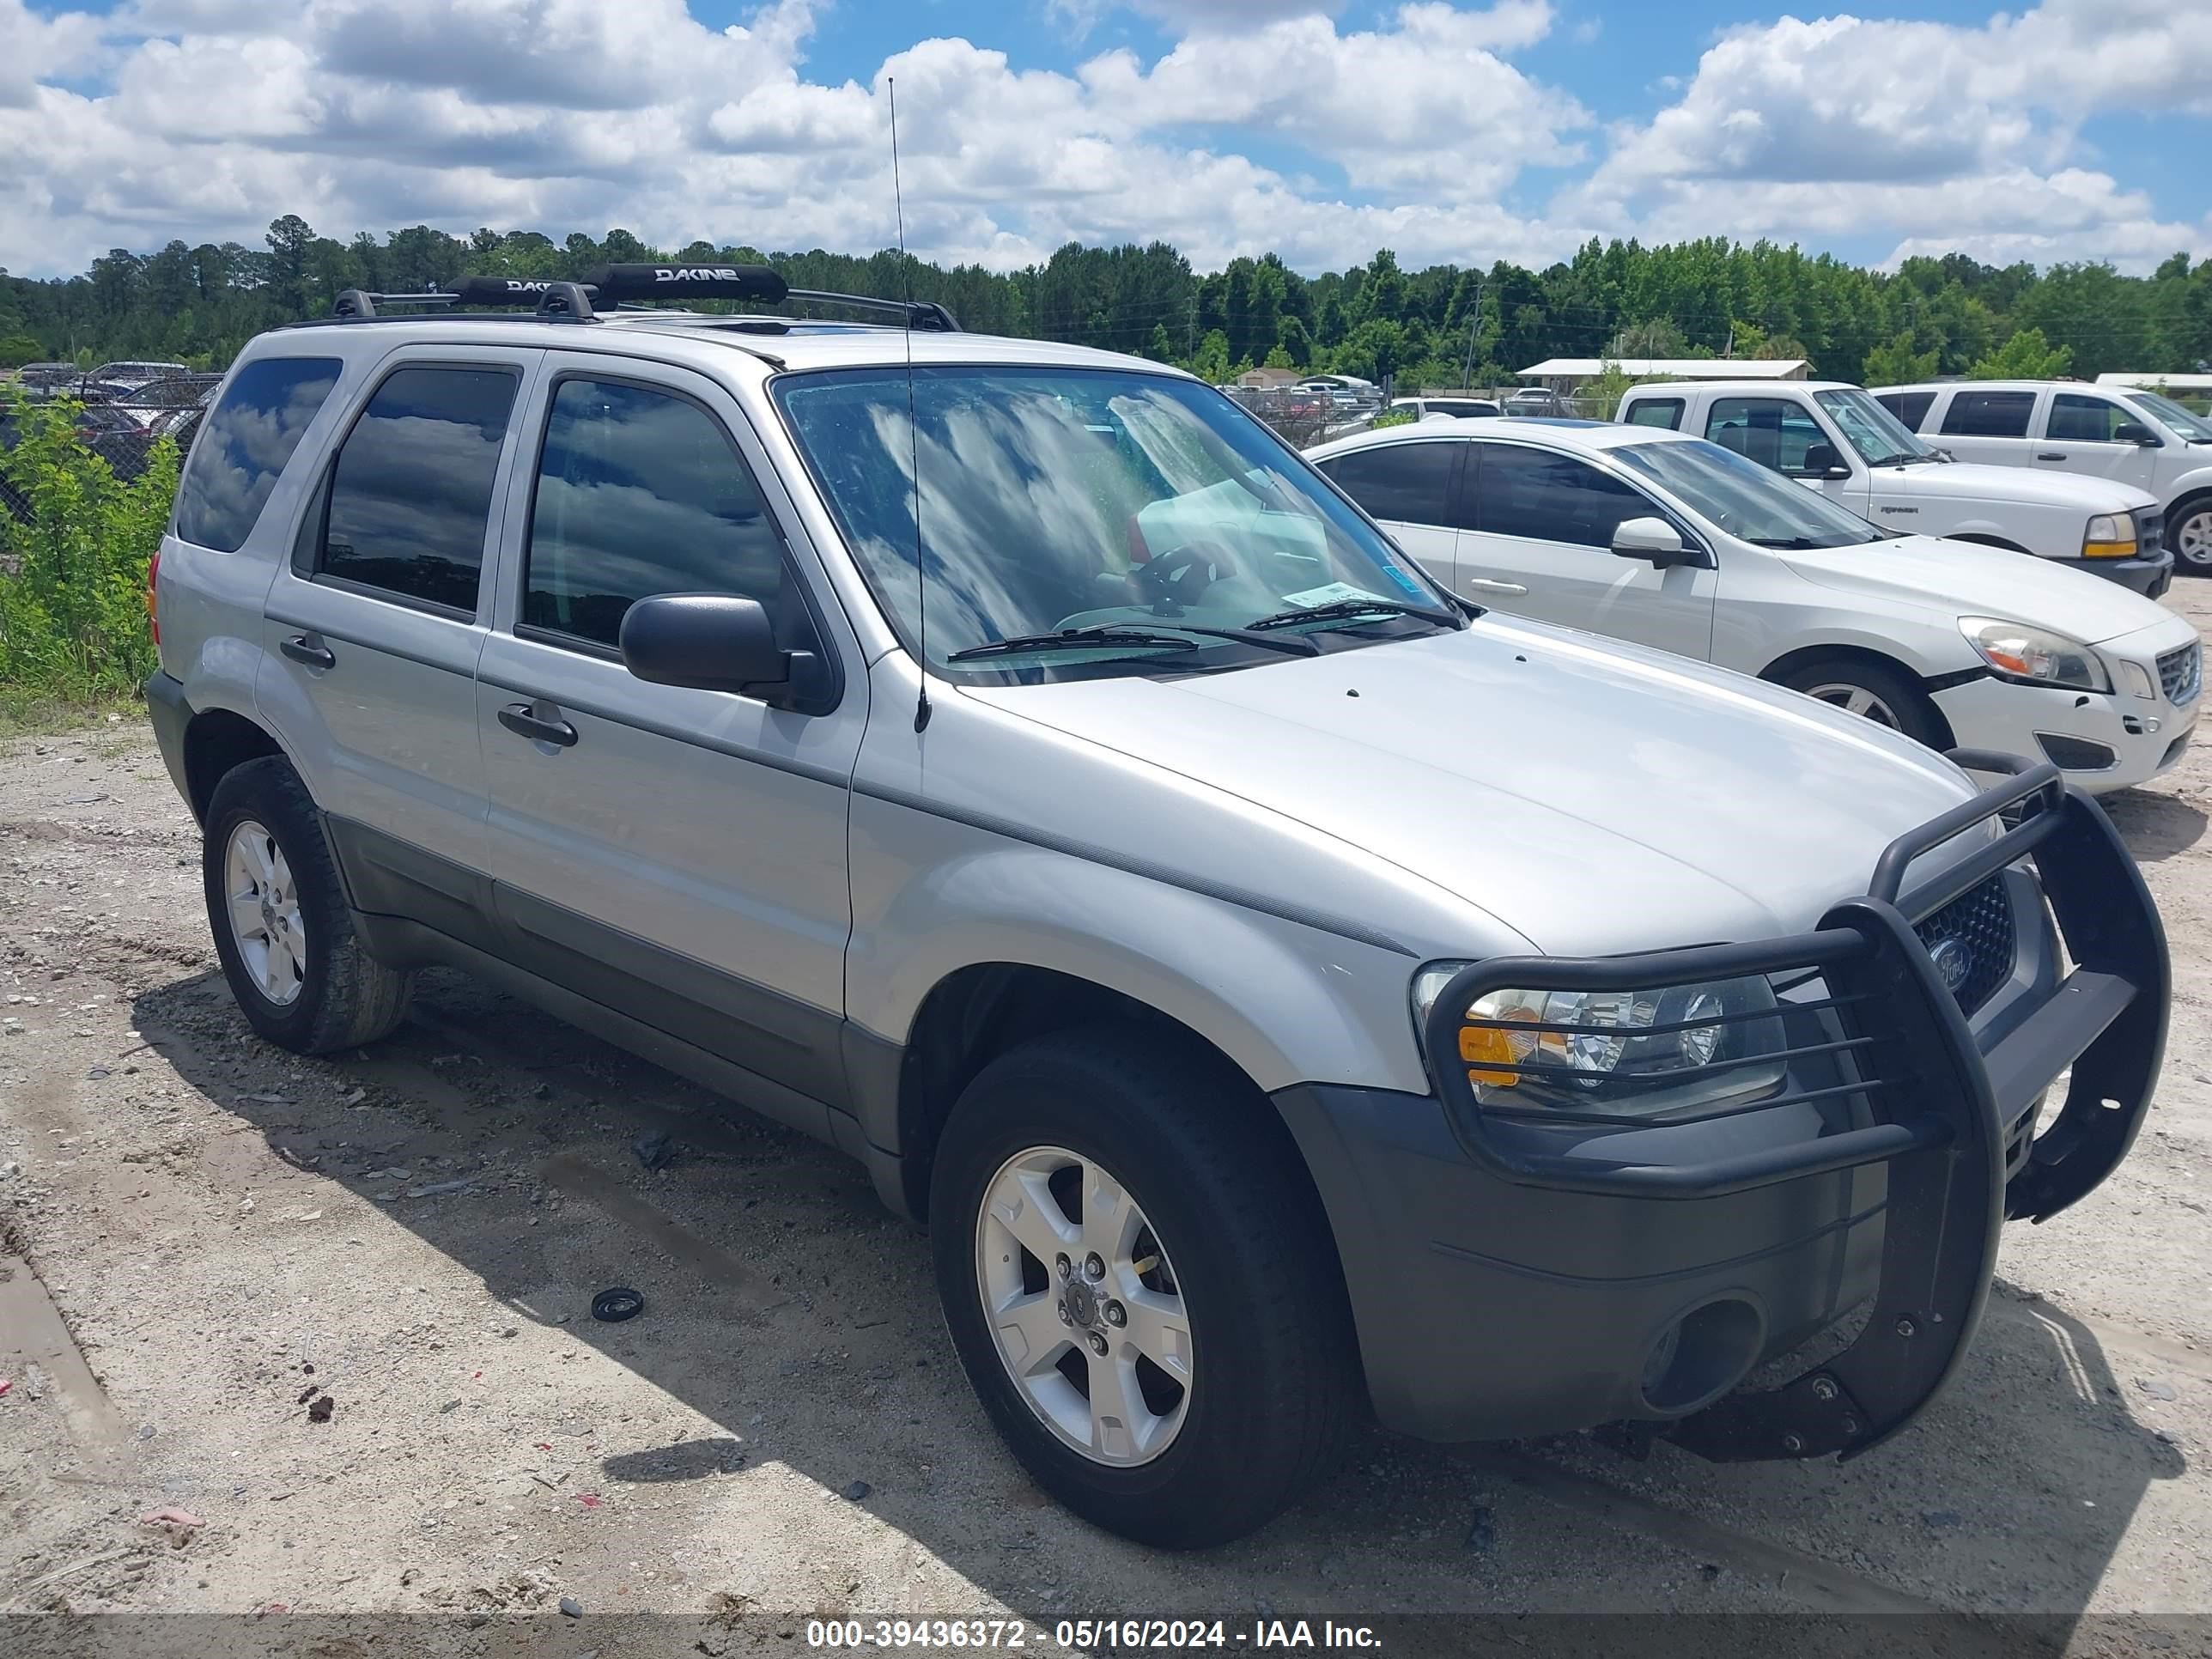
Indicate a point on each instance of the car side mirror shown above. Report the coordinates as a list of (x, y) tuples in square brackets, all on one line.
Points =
[(716, 642), (1651, 539), (2135, 432), (1821, 461)]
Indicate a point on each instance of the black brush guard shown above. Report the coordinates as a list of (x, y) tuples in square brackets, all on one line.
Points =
[(1938, 1111)]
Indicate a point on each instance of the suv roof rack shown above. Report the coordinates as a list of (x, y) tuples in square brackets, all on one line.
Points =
[(632, 288)]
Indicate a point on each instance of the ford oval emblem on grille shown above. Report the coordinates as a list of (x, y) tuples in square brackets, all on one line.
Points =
[(1953, 962)]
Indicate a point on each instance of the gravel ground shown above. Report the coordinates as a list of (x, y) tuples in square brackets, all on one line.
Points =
[(207, 1239)]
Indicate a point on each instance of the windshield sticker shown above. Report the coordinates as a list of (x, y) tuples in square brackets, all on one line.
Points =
[(1403, 578), (1315, 597)]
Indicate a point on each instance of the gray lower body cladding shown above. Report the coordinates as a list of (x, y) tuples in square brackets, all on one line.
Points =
[(1487, 1310)]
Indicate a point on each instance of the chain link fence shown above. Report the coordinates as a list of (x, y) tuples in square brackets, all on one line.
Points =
[(120, 424)]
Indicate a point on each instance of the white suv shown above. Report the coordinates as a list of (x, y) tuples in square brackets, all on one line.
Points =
[(1269, 980), (2131, 436), (1838, 440), (1669, 541)]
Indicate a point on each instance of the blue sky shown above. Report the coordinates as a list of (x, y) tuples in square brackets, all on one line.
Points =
[(1513, 129)]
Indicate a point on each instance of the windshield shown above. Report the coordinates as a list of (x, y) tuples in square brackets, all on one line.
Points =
[(2195, 428), (1880, 437), (1060, 499), (1739, 495)]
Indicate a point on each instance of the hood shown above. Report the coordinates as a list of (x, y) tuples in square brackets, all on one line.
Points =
[(1965, 578), (1595, 797), (1972, 481)]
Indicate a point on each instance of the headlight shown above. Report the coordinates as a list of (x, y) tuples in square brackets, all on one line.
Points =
[(1639, 1054), (2110, 536), (2034, 655)]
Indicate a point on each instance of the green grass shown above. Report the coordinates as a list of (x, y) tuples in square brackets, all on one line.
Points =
[(30, 714)]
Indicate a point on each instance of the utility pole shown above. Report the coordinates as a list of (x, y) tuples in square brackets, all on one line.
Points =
[(1474, 324)]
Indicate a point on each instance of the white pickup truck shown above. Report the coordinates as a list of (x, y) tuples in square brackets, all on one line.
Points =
[(2123, 433), (1837, 439)]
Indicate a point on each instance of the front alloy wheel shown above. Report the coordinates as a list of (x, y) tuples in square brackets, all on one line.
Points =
[(1084, 1306), (1856, 699), (2192, 537)]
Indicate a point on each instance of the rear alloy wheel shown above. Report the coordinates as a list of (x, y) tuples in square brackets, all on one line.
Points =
[(1872, 691), (1141, 1283), (284, 930), (2192, 536)]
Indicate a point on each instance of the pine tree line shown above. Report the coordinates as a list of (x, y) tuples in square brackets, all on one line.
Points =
[(1445, 325)]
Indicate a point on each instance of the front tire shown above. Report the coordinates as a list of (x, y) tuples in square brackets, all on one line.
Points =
[(1887, 696), (1140, 1282), (2189, 533), (284, 930)]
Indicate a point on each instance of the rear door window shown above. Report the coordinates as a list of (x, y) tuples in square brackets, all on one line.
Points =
[(246, 445), (410, 495), (1989, 413), (1406, 484)]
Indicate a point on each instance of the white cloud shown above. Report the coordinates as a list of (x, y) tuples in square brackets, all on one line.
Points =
[(212, 116), (1267, 125), (1935, 135)]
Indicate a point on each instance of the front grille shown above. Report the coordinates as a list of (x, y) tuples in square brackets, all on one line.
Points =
[(2150, 531), (2181, 673), (1971, 940)]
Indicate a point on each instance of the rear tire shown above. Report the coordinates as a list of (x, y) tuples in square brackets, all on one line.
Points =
[(1887, 696), (283, 929), (1243, 1297)]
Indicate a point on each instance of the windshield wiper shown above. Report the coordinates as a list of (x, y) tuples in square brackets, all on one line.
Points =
[(1786, 544), (1074, 639), (1082, 639), (1347, 610)]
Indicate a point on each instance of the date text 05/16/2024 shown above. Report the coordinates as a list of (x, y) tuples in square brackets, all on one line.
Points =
[(1120, 1635)]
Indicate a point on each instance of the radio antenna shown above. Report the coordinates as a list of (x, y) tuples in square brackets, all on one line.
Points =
[(913, 427)]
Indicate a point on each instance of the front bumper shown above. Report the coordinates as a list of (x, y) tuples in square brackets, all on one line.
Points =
[(1509, 1281), (2102, 740), (2148, 574)]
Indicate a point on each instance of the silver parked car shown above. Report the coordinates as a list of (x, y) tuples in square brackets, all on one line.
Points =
[(1279, 987)]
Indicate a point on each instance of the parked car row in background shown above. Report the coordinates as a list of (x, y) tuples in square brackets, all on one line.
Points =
[(1657, 536), (2130, 436), (1838, 440)]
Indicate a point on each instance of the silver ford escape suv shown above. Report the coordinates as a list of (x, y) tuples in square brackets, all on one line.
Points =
[(1280, 989)]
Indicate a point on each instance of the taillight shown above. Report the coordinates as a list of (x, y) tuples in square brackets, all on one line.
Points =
[(152, 605)]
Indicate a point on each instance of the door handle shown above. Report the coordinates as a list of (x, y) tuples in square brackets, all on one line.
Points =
[(1488, 586), (518, 717), (308, 648), (2051, 455)]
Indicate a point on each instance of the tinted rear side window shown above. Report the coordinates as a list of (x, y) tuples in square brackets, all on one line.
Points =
[(244, 446), (411, 492), (1910, 407), (641, 492), (1989, 413), (1657, 411), (1409, 483)]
